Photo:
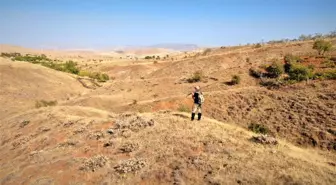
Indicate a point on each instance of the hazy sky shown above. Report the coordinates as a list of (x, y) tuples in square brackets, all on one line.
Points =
[(104, 23)]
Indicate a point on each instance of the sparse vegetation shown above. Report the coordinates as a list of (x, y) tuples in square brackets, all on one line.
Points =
[(207, 51), (235, 79), (299, 72), (258, 128), (270, 83), (255, 73), (68, 66), (248, 60), (258, 45), (275, 70), (329, 63), (100, 77), (183, 108), (197, 76), (322, 46), (289, 58), (44, 103), (326, 75)]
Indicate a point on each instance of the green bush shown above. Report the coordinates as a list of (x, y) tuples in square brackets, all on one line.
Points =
[(299, 72), (84, 73), (330, 75), (71, 67), (258, 128), (148, 57), (235, 80), (322, 46), (44, 103), (197, 76), (275, 70), (100, 77)]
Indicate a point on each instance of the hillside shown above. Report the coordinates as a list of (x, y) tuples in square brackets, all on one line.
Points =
[(66, 126), (84, 145)]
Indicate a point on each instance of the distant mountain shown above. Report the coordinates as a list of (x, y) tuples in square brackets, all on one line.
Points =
[(178, 47)]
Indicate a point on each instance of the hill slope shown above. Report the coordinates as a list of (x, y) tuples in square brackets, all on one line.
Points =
[(76, 145), (22, 84)]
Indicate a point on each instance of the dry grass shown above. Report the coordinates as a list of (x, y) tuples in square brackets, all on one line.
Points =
[(81, 141), (172, 150)]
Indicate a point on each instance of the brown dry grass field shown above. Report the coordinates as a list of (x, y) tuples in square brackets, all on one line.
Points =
[(135, 128)]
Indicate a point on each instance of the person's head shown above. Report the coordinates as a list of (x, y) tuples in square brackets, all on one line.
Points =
[(197, 88)]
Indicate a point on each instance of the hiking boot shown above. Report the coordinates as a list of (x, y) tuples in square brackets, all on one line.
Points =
[(192, 116), (199, 116)]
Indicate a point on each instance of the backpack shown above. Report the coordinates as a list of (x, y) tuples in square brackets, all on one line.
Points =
[(201, 98)]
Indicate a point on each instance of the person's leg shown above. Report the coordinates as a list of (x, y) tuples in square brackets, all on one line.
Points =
[(199, 112), (194, 109)]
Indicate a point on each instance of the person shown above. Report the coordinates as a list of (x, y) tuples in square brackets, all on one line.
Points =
[(198, 98)]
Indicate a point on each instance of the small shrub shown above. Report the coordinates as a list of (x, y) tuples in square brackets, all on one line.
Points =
[(197, 76), (255, 73), (155, 62), (329, 75), (275, 70), (148, 57), (235, 80), (71, 67), (258, 128), (247, 59), (134, 102), (183, 108), (84, 73), (322, 46), (329, 64), (44, 103), (289, 58), (207, 51), (299, 72), (258, 45), (103, 77)]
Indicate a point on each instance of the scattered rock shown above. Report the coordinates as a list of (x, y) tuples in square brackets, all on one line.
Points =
[(96, 135), (264, 139), (177, 177), (130, 165), (68, 143), (108, 143), (44, 129), (110, 131), (68, 123), (129, 147), (92, 164), (133, 122), (79, 130), (20, 142)]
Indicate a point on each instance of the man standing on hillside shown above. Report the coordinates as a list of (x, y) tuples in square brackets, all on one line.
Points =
[(198, 98)]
